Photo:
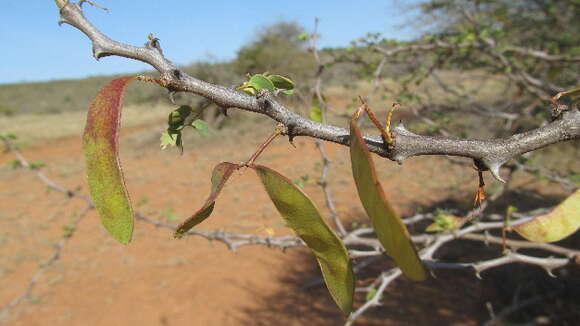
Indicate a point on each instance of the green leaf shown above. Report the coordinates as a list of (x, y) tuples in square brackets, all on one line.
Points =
[(178, 116), (303, 36), (36, 165), (302, 216), (168, 139), (281, 82), (200, 126), (315, 110), (390, 230), (370, 294), (444, 222), (101, 148), (15, 164), (178, 119), (269, 82), (256, 83), (220, 175), (561, 222)]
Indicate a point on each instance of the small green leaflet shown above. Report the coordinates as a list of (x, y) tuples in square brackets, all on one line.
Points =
[(178, 119), (200, 126), (268, 82), (315, 110)]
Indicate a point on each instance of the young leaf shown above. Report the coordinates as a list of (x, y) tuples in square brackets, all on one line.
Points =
[(256, 83), (220, 175), (390, 230), (561, 222), (281, 82), (302, 216), (177, 117), (169, 139), (315, 110), (445, 222), (200, 126), (101, 148)]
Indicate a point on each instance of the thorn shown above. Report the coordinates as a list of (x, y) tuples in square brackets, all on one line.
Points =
[(98, 53), (290, 133), (549, 271), (81, 2), (172, 96), (494, 169), (399, 159)]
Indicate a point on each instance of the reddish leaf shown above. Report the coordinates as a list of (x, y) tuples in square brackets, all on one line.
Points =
[(101, 148), (390, 230), (220, 175)]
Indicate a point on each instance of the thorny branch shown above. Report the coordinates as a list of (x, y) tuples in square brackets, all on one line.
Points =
[(492, 153), (362, 239)]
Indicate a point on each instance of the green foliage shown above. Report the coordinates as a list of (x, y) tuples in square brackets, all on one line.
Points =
[(268, 82), (36, 165), (184, 116), (101, 148), (14, 164), (302, 216), (8, 136), (549, 25), (444, 221), (277, 47), (301, 182), (388, 226), (315, 109)]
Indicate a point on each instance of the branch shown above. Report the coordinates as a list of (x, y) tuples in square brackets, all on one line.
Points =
[(492, 153)]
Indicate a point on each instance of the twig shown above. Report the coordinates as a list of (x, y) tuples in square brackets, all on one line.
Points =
[(493, 153)]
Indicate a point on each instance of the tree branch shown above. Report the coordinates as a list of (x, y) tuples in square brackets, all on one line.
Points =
[(491, 153)]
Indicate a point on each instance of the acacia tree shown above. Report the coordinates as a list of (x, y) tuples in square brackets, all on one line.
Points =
[(338, 248)]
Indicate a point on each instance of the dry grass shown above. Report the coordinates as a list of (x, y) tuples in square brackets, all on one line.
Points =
[(36, 129)]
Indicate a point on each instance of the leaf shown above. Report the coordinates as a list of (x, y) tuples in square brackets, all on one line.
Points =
[(556, 225), (168, 139), (200, 126), (281, 82), (303, 36), (445, 222), (370, 294), (256, 83), (177, 117), (101, 148), (220, 175), (390, 230), (315, 110), (302, 216)]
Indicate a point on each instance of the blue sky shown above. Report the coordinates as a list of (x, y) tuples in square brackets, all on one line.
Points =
[(33, 47)]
